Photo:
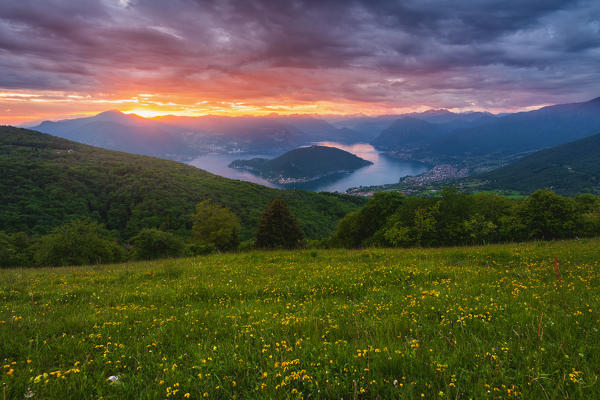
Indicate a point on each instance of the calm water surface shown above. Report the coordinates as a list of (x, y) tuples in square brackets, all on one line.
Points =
[(218, 164), (383, 170)]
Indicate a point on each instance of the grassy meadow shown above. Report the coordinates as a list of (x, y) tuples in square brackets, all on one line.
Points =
[(497, 322)]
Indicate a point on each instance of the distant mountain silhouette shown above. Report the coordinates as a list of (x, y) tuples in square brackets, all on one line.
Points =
[(419, 130), (444, 116), (124, 132), (368, 127), (434, 135), (379, 130), (459, 137), (302, 129), (524, 131), (179, 138), (408, 133)]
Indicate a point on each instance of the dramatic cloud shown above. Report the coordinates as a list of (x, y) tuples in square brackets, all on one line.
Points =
[(295, 56)]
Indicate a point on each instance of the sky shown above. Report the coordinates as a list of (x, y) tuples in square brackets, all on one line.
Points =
[(66, 58)]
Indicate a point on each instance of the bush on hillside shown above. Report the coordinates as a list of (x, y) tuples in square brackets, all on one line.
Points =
[(151, 244), (9, 254), (215, 226), (76, 243), (357, 228), (547, 215)]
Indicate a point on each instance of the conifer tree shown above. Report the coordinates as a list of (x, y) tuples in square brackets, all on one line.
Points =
[(277, 228)]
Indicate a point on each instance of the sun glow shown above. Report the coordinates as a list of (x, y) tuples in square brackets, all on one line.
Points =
[(25, 106), (147, 113), (151, 109), (22, 106)]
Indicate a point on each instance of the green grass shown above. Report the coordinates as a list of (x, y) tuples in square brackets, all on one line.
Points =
[(478, 322)]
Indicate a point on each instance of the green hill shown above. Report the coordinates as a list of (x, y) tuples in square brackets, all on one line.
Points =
[(47, 181), (567, 169), (303, 164)]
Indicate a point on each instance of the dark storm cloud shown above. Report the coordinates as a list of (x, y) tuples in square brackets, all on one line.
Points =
[(464, 21), (437, 53)]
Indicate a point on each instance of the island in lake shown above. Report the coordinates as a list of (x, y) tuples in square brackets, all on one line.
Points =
[(303, 165)]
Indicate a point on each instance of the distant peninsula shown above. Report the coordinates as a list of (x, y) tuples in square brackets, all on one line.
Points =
[(302, 165)]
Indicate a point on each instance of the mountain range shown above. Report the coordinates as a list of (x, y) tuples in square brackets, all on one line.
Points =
[(183, 138), (567, 169), (437, 135), (478, 141), (525, 131), (124, 132), (456, 138)]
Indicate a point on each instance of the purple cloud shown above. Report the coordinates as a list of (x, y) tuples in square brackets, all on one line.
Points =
[(490, 54)]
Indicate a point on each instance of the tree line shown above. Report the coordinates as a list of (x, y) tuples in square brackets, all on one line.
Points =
[(214, 228), (389, 219)]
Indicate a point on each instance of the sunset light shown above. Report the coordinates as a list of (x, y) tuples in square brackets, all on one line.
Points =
[(79, 58)]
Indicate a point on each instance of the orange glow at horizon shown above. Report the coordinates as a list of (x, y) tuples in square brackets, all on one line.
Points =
[(25, 106), (238, 109), (20, 107)]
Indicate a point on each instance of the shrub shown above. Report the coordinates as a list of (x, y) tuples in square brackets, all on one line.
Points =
[(357, 229), (198, 249), (247, 245), (547, 215), (347, 233), (8, 251), (78, 242), (215, 225), (151, 243)]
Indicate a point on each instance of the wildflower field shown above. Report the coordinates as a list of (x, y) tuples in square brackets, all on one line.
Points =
[(502, 321)]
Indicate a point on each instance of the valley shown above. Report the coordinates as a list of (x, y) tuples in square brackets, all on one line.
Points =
[(472, 143)]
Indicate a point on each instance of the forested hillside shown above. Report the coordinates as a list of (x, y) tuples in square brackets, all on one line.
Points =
[(47, 181), (568, 169)]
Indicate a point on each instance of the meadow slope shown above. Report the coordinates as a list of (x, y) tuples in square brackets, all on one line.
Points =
[(504, 321)]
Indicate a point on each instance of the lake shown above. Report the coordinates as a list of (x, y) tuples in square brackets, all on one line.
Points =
[(384, 169)]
